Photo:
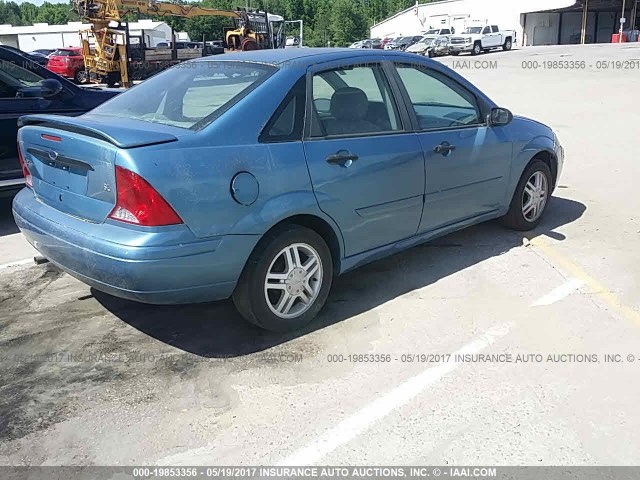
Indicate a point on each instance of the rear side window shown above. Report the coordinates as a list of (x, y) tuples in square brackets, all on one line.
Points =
[(445, 31), (287, 122), (494, 28)]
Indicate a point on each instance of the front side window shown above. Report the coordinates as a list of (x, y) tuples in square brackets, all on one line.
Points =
[(188, 95), (15, 78), (353, 100), (437, 101), (487, 30)]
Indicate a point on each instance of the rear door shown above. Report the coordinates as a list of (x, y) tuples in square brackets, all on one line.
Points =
[(366, 167), (20, 95), (467, 162)]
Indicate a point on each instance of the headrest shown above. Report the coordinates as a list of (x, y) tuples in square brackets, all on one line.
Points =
[(349, 103)]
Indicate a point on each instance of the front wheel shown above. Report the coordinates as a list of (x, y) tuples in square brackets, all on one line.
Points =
[(477, 49), (286, 281), (430, 54), (530, 198)]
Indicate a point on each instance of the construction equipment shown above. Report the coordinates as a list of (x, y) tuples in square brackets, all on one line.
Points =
[(105, 44)]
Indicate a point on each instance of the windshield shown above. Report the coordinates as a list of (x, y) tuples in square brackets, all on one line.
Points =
[(473, 30), (426, 41), (188, 93)]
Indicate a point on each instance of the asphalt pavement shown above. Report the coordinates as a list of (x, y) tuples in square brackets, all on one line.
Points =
[(482, 347)]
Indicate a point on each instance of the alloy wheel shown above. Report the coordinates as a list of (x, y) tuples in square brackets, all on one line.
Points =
[(293, 280), (534, 197)]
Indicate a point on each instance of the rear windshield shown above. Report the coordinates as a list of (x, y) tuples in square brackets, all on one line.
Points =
[(188, 95), (66, 53)]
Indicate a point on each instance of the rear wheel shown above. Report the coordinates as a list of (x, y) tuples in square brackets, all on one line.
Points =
[(81, 76), (286, 281), (530, 198), (430, 54), (477, 49), (507, 45), (455, 54)]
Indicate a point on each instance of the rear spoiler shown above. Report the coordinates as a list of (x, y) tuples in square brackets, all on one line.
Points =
[(126, 134)]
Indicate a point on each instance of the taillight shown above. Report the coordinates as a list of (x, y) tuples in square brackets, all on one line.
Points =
[(139, 203), (28, 180)]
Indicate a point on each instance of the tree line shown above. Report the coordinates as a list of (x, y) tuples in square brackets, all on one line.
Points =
[(326, 22)]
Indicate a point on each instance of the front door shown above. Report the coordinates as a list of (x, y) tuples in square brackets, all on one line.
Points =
[(367, 171), (467, 162)]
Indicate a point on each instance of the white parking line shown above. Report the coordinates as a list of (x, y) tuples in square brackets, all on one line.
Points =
[(559, 293), (16, 263), (362, 420)]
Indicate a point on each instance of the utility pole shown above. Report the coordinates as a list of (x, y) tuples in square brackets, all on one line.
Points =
[(585, 15)]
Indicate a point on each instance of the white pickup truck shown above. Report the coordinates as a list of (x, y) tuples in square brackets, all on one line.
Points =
[(478, 39)]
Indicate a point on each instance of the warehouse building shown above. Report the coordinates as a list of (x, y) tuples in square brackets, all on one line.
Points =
[(536, 22)]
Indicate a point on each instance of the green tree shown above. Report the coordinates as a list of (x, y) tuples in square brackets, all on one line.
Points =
[(10, 13), (348, 23)]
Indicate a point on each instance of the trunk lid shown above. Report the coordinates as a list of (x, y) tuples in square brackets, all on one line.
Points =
[(72, 160)]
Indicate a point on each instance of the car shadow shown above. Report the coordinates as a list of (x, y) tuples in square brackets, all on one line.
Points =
[(7, 223), (216, 330)]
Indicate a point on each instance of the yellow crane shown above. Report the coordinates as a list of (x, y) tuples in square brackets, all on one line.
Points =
[(104, 45)]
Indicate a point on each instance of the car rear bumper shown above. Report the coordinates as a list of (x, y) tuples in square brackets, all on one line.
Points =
[(166, 266), (62, 70)]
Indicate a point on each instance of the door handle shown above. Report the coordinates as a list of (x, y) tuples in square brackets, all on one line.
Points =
[(445, 148), (342, 158)]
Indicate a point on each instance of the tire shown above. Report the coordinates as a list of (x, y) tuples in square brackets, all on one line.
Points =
[(259, 304), (516, 218), (455, 54), (507, 45), (81, 77), (249, 44), (430, 54), (477, 49)]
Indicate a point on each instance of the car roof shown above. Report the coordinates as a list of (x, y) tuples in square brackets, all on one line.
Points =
[(307, 56)]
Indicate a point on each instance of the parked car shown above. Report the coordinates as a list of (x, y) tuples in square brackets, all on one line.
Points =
[(480, 39), (431, 47), (402, 43), (374, 43), (357, 44), (68, 63), (26, 87), (307, 165), (31, 57)]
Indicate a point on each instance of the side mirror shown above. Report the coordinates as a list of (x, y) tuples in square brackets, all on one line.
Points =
[(50, 87), (500, 117)]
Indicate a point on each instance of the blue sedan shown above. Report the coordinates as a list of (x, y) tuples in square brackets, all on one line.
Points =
[(264, 174)]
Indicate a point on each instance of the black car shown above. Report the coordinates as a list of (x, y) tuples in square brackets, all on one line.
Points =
[(38, 58), (402, 43), (26, 87)]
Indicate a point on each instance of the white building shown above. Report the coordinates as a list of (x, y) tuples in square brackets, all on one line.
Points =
[(43, 35), (536, 22)]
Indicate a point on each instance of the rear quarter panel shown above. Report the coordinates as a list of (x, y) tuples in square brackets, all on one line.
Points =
[(194, 174)]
